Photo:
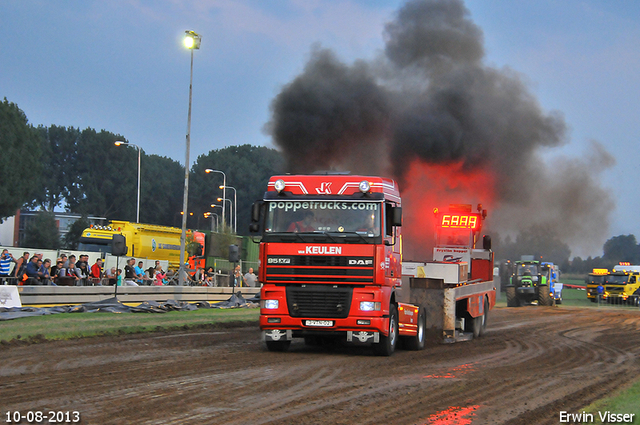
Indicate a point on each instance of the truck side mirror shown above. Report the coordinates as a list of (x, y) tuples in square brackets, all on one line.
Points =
[(255, 211), (396, 216)]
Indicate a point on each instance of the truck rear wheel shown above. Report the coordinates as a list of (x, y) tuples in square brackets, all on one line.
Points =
[(485, 317), (387, 344), (543, 296), (416, 342), (278, 345), (512, 299)]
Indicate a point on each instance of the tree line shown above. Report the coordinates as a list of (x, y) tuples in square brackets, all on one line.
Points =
[(84, 172), (540, 242)]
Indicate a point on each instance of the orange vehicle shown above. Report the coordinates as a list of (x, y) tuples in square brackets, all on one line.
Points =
[(331, 263)]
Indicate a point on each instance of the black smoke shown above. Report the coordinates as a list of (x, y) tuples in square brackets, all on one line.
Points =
[(431, 97)]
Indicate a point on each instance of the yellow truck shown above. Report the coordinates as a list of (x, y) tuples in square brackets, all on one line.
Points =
[(143, 240), (622, 286), (593, 279)]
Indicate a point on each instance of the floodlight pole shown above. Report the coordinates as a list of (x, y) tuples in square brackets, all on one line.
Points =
[(185, 201)]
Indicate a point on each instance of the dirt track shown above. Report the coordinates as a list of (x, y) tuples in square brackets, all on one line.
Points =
[(532, 363)]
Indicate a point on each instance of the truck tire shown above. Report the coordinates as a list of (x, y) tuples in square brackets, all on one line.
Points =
[(476, 323), (416, 343), (485, 317), (512, 299), (543, 296), (387, 344), (280, 346)]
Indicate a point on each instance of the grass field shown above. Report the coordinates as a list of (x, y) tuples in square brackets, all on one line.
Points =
[(623, 401), (76, 325)]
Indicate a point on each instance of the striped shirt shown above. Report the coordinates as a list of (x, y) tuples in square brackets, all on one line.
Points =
[(5, 265)]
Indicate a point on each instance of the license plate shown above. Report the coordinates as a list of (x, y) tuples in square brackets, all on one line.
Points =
[(321, 323)]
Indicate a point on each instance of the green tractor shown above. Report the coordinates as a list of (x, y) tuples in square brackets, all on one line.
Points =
[(531, 281)]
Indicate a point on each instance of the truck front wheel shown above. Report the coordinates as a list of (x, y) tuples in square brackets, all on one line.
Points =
[(387, 344)]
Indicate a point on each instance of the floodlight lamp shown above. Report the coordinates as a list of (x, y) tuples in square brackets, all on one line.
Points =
[(192, 40)]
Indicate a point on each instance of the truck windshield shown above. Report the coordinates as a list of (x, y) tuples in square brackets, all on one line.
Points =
[(595, 278), (527, 269), (617, 279), (361, 218)]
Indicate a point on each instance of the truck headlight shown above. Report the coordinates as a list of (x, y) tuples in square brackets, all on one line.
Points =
[(270, 304), (369, 306)]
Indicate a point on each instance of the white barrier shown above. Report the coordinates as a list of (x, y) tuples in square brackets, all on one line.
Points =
[(9, 296)]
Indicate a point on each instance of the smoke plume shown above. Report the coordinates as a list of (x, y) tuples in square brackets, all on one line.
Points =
[(449, 128)]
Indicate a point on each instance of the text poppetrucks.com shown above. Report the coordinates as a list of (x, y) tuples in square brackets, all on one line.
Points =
[(605, 417)]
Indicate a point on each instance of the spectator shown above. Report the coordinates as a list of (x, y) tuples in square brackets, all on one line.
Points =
[(119, 277), (32, 271), (237, 277), (55, 270), (160, 277), (250, 278), (96, 272), (149, 276), (600, 292), (84, 272), (139, 272), (112, 276), (44, 273), (200, 276), (21, 264), (130, 274), (83, 259), (158, 266), (5, 266), (65, 260), (72, 271)]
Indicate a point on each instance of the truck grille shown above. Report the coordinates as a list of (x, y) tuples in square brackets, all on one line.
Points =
[(319, 269), (319, 301)]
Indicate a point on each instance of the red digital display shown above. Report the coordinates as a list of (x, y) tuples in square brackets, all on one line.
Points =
[(460, 221)]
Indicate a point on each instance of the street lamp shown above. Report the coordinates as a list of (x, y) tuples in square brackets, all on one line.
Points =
[(217, 225), (191, 42), (224, 183), (119, 143), (235, 202), (230, 210), (210, 214)]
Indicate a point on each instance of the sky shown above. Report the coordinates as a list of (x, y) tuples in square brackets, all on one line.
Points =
[(121, 66)]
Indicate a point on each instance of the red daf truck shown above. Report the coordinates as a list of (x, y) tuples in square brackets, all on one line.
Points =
[(331, 264)]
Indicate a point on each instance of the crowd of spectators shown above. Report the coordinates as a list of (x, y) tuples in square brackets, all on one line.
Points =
[(69, 271)]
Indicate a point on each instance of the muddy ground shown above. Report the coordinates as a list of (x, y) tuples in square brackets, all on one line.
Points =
[(532, 363)]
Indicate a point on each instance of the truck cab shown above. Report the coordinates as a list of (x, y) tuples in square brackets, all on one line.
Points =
[(330, 260), (594, 279), (623, 285)]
